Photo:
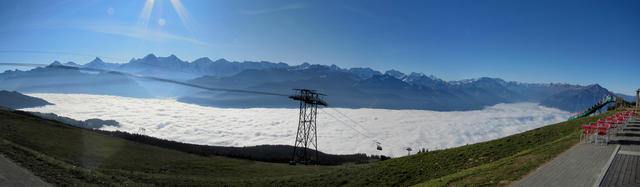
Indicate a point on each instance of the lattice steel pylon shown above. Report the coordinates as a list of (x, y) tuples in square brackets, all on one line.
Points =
[(307, 134)]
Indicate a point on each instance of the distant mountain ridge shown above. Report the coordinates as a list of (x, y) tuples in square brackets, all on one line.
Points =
[(175, 68), (359, 87), (578, 99)]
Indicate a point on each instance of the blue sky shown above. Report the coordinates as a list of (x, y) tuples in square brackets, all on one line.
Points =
[(578, 42)]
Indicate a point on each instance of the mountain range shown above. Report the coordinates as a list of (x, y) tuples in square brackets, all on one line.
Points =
[(353, 88)]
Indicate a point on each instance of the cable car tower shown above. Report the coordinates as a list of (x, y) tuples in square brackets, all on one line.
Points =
[(307, 134)]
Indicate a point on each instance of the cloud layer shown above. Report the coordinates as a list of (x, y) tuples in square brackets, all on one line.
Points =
[(395, 129)]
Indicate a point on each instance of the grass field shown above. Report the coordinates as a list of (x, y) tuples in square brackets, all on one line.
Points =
[(66, 155)]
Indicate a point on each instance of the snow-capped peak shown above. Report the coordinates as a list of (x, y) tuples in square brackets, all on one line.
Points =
[(395, 73)]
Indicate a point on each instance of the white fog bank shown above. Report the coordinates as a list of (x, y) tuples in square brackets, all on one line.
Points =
[(396, 129)]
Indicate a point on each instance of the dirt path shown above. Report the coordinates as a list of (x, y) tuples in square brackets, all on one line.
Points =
[(13, 175)]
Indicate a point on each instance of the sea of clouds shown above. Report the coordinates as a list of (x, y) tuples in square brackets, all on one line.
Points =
[(337, 134)]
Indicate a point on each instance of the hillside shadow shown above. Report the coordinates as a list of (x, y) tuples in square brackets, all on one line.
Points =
[(628, 134), (630, 129), (625, 142)]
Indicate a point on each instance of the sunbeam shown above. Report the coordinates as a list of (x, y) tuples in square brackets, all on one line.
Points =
[(146, 14), (184, 16)]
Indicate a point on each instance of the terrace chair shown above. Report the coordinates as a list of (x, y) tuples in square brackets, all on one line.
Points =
[(613, 126), (621, 120), (593, 127), (602, 132), (586, 133)]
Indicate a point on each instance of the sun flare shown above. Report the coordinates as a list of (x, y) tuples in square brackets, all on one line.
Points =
[(146, 14)]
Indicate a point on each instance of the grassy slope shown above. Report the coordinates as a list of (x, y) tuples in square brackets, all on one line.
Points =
[(68, 155), (488, 163), (65, 155), (512, 168)]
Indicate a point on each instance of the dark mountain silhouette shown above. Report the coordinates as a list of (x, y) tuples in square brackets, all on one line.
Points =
[(346, 89), (353, 88), (578, 99), (15, 100), (627, 98), (538, 92), (97, 63), (93, 123)]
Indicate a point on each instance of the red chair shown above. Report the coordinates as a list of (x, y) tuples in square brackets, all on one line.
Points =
[(621, 121), (602, 132), (594, 131), (613, 126), (586, 133)]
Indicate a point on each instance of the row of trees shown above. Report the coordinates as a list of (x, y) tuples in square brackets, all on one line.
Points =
[(620, 103), (266, 153)]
